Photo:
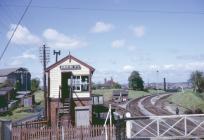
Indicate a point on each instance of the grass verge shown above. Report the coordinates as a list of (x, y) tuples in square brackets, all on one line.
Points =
[(188, 99)]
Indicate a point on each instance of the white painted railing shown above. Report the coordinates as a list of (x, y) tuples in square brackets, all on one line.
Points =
[(166, 127)]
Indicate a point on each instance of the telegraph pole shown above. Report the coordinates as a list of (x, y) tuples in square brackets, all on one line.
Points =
[(44, 57), (157, 85), (164, 84), (57, 53)]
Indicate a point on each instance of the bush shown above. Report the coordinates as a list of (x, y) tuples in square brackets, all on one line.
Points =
[(6, 113), (198, 111), (188, 112), (146, 90), (10, 113), (38, 103)]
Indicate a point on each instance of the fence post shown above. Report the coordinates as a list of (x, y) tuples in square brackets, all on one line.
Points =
[(6, 130), (185, 125), (62, 133), (118, 129), (128, 125), (81, 133), (1, 131), (158, 129)]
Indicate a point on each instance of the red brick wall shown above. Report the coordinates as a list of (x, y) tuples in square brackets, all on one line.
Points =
[(53, 113), (54, 104)]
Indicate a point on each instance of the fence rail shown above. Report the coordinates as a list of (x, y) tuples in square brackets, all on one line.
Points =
[(166, 127), (31, 124), (64, 133)]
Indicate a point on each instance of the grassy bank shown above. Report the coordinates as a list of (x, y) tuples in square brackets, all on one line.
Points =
[(107, 93), (17, 114), (188, 99)]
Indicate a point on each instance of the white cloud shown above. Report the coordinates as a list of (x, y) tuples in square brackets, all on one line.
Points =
[(169, 66), (154, 67), (197, 57), (28, 55), (194, 66), (139, 31), (118, 76), (128, 68), (16, 62), (135, 49), (179, 67), (118, 43), (56, 39), (19, 60), (131, 48), (22, 36), (100, 27)]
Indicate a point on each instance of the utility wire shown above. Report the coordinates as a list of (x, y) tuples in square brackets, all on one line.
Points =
[(9, 41), (112, 10)]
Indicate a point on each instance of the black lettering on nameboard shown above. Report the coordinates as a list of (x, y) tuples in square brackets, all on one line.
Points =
[(70, 67)]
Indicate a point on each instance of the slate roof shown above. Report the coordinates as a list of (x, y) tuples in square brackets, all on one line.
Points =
[(70, 57), (24, 92), (5, 90), (7, 71)]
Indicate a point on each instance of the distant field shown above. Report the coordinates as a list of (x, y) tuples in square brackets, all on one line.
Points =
[(107, 93), (188, 99)]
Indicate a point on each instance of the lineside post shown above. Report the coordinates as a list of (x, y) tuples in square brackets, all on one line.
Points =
[(128, 125), (158, 133), (185, 126)]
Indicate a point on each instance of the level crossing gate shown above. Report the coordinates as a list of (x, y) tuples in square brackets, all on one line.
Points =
[(161, 127)]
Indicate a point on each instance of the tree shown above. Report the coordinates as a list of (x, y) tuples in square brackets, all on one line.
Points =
[(17, 86), (197, 80), (35, 83), (116, 86), (135, 81)]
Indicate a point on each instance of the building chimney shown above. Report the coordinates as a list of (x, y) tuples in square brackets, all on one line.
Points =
[(105, 80), (111, 79)]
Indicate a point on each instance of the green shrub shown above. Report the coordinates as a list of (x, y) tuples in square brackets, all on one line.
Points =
[(146, 90), (198, 111), (188, 112)]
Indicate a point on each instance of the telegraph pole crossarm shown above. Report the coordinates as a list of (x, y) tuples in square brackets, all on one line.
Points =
[(56, 53)]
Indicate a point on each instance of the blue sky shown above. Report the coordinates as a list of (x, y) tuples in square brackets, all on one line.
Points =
[(114, 36)]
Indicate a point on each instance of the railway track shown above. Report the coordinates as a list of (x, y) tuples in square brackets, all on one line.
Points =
[(155, 107), (116, 106), (134, 109)]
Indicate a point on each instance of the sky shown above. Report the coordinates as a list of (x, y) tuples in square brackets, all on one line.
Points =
[(114, 36)]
